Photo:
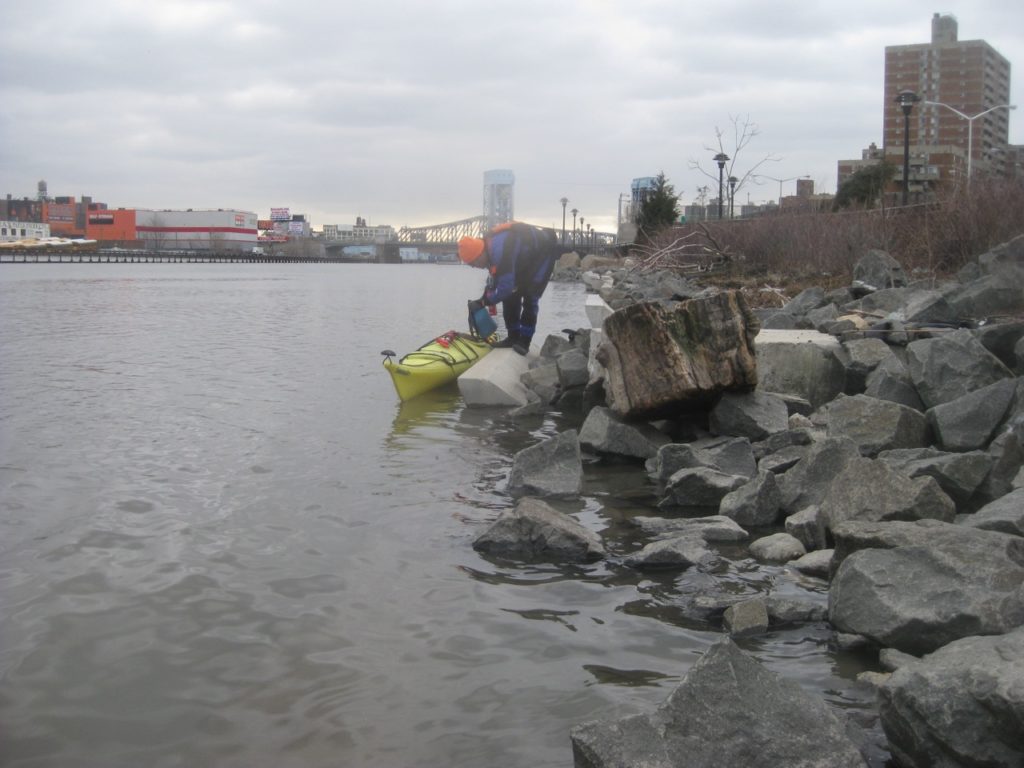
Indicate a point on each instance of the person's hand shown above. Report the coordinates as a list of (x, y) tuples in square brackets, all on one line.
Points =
[(475, 304)]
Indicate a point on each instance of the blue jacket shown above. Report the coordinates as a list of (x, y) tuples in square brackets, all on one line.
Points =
[(521, 260)]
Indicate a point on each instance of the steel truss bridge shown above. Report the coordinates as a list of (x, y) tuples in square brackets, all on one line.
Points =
[(452, 231), (448, 233)]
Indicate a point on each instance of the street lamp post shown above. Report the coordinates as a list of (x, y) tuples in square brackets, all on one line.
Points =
[(732, 195), (906, 100), (970, 127), (574, 212), (583, 242), (721, 158), (564, 201)]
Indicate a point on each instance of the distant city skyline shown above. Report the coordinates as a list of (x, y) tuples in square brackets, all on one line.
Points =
[(392, 112)]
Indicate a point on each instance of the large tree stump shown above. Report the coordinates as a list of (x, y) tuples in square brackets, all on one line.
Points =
[(660, 361)]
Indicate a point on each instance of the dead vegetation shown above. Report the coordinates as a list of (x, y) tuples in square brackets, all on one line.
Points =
[(772, 258)]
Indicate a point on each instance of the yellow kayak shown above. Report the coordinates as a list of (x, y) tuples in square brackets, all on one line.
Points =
[(437, 362)]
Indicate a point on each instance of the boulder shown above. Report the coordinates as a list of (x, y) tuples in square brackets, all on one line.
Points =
[(877, 425), (805, 301), (660, 360), (535, 531), (1007, 455), (987, 296), (891, 381), (746, 617), (803, 363), (969, 422), (809, 526), (958, 474), (754, 415), (1001, 339), (817, 563), (603, 433), (870, 490), (551, 468), (876, 269), (711, 528), (862, 357), (917, 598), (678, 552), (573, 369), (807, 482), (958, 706), (777, 548), (728, 711), (1005, 514), (699, 487), (791, 610), (951, 366), (542, 380), (732, 455), (755, 503)]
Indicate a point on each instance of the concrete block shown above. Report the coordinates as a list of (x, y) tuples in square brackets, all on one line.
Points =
[(495, 380), (597, 310), (808, 364)]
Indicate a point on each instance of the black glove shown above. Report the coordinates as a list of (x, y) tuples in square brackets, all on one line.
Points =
[(475, 304)]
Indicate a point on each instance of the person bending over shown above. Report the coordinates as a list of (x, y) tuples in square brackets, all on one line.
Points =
[(519, 259)]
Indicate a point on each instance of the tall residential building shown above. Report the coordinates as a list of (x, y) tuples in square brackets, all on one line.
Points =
[(499, 198), (969, 76)]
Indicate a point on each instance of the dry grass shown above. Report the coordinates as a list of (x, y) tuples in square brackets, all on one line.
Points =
[(779, 255)]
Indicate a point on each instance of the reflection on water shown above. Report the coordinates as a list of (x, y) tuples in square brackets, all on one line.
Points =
[(224, 541)]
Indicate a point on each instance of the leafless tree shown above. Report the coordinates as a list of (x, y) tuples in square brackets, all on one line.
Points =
[(743, 132)]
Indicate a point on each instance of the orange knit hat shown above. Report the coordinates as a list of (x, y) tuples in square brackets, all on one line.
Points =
[(470, 249)]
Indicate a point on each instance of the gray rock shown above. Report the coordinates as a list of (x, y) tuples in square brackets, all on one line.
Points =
[(733, 456), (799, 436), (877, 269), (958, 706), (1007, 455), (969, 422), (924, 307), (918, 598), (603, 433), (891, 381), (807, 368), (710, 528), (870, 490), (877, 425), (958, 474), (552, 468), (756, 503), (863, 356), (542, 381), (817, 563), (1001, 340), (951, 366), (777, 548), (807, 482), (1005, 514), (747, 617), (535, 531), (699, 487), (790, 610), (553, 346), (823, 318), (728, 711), (987, 296), (754, 415), (783, 460), (573, 370), (805, 301), (678, 552), (890, 659), (809, 526)]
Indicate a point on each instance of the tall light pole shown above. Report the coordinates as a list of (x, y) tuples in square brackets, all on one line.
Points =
[(906, 100), (781, 181), (582, 241), (732, 194), (721, 158), (564, 201), (970, 126), (574, 212)]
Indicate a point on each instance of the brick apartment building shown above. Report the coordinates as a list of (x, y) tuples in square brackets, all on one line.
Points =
[(968, 76)]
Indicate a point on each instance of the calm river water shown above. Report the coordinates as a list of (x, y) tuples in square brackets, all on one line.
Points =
[(223, 542)]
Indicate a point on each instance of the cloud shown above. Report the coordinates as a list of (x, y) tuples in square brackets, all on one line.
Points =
[(393, 110)]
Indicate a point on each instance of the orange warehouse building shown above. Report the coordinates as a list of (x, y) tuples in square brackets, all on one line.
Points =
[(111, 225)]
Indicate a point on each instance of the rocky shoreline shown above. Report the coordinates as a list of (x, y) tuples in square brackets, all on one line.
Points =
[(878, 429)]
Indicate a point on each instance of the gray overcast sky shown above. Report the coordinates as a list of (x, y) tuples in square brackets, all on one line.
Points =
[(392, 110)]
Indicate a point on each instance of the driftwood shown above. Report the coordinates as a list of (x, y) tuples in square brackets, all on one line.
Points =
[(660, 360)]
